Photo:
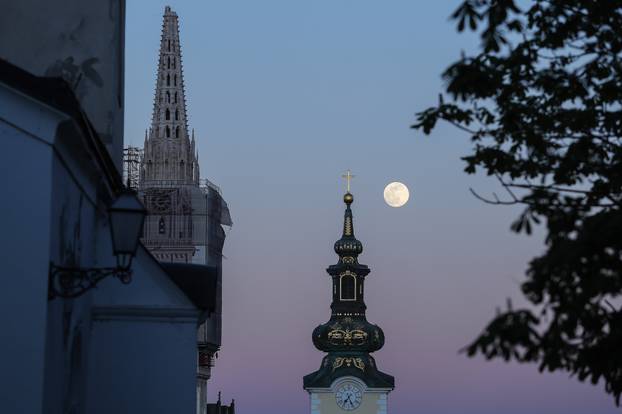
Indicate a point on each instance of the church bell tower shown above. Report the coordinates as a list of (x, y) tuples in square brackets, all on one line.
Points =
[(348, 379), (170, 168)]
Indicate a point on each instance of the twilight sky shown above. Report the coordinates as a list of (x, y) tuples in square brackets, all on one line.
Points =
[(286, 95)]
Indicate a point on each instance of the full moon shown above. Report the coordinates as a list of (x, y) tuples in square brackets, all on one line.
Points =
[(396, 194)]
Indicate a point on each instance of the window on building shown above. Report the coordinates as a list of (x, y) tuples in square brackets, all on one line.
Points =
[(169, 45), (175, 80), (176, 114), (168, 97), (176, 132), (348, 286), (161, 226), (175, 97), (169, 62), (168, 132), (168, 114)]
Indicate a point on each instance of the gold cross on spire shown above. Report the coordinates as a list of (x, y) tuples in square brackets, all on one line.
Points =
[(348, 176)]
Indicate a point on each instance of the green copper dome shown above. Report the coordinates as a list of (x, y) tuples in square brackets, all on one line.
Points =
[(348, 338)]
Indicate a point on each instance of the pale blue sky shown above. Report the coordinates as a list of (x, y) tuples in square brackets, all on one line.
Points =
[(286, 95)]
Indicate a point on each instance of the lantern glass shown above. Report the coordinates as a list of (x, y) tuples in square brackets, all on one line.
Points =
[(127, 216)]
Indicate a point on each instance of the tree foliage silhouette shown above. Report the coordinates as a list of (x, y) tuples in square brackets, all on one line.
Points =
[(542, 102)]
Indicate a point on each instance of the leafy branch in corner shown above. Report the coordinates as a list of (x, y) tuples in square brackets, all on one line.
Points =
[(541, 100)]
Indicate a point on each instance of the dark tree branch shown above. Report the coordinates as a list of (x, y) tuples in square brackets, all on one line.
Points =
[(548, 104)]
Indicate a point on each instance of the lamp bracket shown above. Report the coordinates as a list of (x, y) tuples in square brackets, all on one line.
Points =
[(71, 282)]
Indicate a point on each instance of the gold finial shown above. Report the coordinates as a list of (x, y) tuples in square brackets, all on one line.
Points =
[(348, 176)]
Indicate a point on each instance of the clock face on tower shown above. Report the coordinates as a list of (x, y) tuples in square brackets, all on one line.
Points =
[(348, 396)]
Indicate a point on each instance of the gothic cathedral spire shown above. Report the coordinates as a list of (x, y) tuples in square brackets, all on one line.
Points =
[(169, 154), (169, 170)]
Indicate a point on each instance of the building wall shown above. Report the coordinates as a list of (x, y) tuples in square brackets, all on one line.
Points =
[(325, 403), (142, 355), (118, 345), (81, 41), (118, 348), (150, 285), (323, 400), (52, 219), (136, 361), (66, 319), (76, 219), (24, 242)]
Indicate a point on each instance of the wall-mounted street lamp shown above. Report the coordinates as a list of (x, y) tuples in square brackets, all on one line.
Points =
[(127, 216)]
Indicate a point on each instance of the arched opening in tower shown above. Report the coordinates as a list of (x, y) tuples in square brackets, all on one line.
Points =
[(348, 287)]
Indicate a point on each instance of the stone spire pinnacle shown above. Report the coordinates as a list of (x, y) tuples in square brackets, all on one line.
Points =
[(169, 154), (169, 109)]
